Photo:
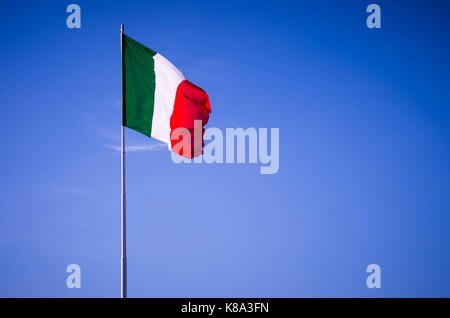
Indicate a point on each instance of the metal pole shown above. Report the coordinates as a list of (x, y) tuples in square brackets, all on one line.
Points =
[(123, 208)]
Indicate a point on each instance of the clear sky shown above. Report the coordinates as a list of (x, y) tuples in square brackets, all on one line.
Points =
[(364, 151)]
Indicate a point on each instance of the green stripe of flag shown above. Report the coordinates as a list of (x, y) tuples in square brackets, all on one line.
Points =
[(138, 85)]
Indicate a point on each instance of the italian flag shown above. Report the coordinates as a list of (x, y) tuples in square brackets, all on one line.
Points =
[(159, 102)]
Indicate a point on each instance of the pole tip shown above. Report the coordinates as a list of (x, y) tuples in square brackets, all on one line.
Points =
[(121, 28)]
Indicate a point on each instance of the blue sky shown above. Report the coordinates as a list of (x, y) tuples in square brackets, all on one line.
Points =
[(364, 151)]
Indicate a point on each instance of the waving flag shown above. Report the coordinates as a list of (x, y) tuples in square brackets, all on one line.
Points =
[(158, 100)]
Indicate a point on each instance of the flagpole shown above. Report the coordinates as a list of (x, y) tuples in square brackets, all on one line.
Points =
[(123, 202)]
